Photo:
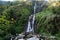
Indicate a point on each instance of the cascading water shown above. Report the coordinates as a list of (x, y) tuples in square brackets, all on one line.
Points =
[(31, 20), (29, 25)]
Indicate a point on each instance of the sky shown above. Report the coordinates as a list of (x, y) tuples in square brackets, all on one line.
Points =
[(7, 0), (19, 0)]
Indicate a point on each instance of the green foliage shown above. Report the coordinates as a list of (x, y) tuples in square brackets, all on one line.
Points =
[(1, 38), (47, 21), (13, 20)]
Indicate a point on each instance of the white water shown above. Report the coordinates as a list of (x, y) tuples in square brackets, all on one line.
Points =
[(35, 6), (30, 27), (33, 38)]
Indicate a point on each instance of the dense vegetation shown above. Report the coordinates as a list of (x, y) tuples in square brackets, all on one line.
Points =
[(14, 17), (48, 21)]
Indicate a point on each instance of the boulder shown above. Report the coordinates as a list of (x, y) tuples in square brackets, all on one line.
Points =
[(33, 38), (20, 39)]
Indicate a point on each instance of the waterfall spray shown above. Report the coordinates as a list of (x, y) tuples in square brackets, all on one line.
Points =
[(30, 27)]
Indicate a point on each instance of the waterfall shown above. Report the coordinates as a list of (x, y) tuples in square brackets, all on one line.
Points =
[(35, 8), (31, 21), (29, 27)]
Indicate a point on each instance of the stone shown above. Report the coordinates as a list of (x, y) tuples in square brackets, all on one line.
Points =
[(20, 39), (33, 38)]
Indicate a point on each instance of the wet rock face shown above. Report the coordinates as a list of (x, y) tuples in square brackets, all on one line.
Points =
[(30, 36), (35, 38)]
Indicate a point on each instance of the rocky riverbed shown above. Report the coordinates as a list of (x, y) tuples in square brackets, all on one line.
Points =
[(34, 37)]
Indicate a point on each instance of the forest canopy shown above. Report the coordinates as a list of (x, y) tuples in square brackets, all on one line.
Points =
[(14, 18)]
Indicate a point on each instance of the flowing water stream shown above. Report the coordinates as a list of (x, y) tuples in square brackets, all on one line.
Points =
[(31, 21), (30, 26)]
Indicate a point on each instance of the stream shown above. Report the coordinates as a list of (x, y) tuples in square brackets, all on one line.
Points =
[(31, 21)]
